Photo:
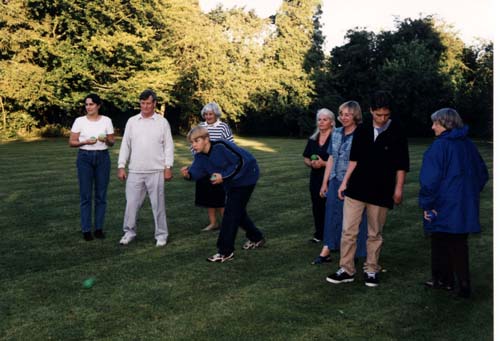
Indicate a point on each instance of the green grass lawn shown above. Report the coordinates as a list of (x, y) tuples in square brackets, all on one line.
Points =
[(173, 293)]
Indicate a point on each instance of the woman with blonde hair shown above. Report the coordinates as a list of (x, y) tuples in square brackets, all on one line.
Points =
[(336, 167)]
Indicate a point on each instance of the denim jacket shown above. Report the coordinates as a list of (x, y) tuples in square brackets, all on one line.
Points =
[(339, 149)]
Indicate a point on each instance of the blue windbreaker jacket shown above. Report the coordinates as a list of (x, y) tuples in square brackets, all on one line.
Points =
[(452, 175), (236, 165)]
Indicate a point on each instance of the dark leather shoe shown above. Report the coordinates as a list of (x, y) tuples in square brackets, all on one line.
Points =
[(464, 289), (87, 236), (321, 260), (99, 234), (436, 284), (463, 293)]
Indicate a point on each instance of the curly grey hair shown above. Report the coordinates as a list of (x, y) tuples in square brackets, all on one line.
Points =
[(212, 106)]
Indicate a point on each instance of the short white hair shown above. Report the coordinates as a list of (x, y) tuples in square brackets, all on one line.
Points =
[(213, 107)]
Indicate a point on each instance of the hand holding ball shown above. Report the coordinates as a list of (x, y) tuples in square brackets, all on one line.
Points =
[(314, 157), (102, 137)]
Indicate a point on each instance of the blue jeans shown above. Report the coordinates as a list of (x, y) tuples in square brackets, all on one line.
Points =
[(235, 215), (333, 222), (93, 171)]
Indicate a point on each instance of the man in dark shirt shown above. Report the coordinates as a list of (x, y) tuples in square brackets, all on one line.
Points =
[(374, 180)]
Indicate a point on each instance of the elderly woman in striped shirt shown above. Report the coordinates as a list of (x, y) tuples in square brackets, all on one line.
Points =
[(208, 195)]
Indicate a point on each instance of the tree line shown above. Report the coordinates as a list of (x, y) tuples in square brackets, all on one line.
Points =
[(269, 75)]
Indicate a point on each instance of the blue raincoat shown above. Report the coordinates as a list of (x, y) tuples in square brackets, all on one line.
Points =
[(452, 175)]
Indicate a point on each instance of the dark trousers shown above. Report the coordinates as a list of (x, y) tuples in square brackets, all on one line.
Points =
[(318, 206), (450, 258), (235, 215)]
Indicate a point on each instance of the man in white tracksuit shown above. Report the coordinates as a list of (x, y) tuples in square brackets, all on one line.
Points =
[(148, 148)]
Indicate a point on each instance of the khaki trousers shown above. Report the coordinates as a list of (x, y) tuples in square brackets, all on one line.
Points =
[(353, 213)]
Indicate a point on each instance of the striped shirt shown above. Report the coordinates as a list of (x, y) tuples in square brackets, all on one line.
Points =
[(218, 131)]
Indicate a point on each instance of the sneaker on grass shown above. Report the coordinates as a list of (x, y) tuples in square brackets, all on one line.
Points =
[(126, 239), (341, 276), (161, 242), (249, 245), (371, 279), (220, 258)]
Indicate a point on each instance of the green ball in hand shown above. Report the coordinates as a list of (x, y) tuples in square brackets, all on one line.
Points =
[(102, 136), (213, 177), (314, 157)]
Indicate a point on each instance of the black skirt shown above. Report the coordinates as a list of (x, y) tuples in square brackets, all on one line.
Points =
[(208, 195)]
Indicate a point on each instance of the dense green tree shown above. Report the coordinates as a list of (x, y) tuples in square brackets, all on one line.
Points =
[(74, 47), (414, 78), (421, 62), (269, 75), (283, 100), (316, 61), (353, 67), (474, 97), (422, 67), (220, 64), (23, 85)]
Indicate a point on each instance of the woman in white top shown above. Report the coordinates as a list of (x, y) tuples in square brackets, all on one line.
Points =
[(92, 134)]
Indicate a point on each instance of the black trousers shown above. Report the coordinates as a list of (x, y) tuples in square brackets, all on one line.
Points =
[(318, 206), (450, 259), (235, 215)]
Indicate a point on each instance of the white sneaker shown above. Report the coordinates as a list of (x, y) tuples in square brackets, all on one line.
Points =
[(126, 239), (161, 242), (219, 258), (249, 245)]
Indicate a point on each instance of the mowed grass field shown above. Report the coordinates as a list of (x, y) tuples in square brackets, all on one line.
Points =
[(147, 293)]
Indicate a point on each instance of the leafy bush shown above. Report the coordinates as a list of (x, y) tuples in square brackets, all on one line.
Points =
[(54, 130), (19, 124)]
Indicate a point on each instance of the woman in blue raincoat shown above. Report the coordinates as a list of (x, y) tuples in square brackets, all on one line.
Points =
[(453, 174)]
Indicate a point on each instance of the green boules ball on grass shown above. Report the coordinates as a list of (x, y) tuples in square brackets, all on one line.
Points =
[(88, 283), (314, 157)]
